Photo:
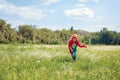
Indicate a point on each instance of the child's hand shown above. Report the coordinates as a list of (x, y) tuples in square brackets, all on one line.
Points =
[(71, 51), (86, 46)]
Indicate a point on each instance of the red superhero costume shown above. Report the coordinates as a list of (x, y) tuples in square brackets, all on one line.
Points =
[(77, 43)]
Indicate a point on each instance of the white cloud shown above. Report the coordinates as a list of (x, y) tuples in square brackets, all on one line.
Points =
[(98, 17), (80, 12), (48, 2), (24, 12), (30, 13), (85, 1), (52, 11), (80, 5), (96, 1)]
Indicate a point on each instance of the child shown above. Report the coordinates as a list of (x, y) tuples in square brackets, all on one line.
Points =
[(72, 45)]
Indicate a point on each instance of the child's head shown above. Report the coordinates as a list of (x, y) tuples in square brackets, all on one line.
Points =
[(74, 37)]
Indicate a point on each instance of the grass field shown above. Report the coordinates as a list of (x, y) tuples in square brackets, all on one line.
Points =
[(53, 62)]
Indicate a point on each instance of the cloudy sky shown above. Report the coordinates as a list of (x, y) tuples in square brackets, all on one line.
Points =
[(90, 15)]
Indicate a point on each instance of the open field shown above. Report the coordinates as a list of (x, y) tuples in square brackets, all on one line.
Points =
[(53, 62)]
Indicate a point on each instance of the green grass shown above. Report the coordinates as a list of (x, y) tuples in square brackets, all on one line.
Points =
[(53, 62)]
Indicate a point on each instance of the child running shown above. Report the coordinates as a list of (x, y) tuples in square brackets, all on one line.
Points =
[(72, 46)]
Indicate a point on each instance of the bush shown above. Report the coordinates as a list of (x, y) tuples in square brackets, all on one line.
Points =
[(3, 40), (54, 41)]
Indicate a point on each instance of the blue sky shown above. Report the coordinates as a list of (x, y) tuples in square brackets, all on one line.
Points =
[(89, 15)]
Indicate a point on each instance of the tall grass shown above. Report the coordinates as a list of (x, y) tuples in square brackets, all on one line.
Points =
[(53, 62)]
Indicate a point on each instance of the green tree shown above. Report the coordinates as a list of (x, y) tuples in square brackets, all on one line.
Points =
[(71, 29), (27, 33), (7, 34)]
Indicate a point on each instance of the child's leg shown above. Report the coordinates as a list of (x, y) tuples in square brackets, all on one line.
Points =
[(74, 55)]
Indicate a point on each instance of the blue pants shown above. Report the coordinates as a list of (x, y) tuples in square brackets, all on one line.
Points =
[(74, 55)]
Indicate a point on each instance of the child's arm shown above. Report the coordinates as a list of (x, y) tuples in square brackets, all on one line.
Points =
[(69, 47), (80, 45)]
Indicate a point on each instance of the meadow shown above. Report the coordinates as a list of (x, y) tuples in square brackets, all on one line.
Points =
[(54, 62)]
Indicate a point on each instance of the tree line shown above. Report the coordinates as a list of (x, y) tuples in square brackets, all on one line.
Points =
[(32, 34)]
